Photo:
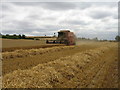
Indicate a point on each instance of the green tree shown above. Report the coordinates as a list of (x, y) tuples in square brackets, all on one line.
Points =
[(117, 38), (15, 35), (54, 35), (23, 36), (7, 35), (0, 35), (19, 36)]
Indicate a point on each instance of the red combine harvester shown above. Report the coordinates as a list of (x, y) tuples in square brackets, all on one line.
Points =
[(64, 37)]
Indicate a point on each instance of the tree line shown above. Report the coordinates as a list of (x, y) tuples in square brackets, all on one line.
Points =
[(117, 38), (14, 36)]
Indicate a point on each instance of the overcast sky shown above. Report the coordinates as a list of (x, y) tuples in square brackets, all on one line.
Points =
[(85, 19)]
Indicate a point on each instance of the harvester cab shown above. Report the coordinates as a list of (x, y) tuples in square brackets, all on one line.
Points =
[(64, 37)]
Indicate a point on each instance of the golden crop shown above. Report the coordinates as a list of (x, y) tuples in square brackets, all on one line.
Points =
[(88, 65), (86, 69)]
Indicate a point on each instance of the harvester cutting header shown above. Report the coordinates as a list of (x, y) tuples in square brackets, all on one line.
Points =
[(64, 37)]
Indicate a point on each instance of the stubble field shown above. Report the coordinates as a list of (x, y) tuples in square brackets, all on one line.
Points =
[(87, 65)]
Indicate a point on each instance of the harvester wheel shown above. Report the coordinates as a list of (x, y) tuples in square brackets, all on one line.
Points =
[(60, 41), (47, 41), (54, 41)]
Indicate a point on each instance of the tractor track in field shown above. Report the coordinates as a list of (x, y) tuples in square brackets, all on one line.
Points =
[(91, 67)]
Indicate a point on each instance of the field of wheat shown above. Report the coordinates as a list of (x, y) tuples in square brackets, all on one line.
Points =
[(86, 65), (9, 43), (12, 45)]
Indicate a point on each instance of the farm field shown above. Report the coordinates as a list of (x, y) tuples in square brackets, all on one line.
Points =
[(9, 43), (12, 44), (87, 65)]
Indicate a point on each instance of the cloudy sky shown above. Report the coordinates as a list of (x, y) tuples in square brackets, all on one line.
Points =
[(86, 19)]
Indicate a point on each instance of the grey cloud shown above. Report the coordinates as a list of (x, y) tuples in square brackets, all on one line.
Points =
[(23, 24), (33, 16), (49, 5), (77, 22), (57, 5), (49, 18), (38, 17), (4, 6), (83, 5), (108, 4), (100, 34), (7, 6), (29, 31), (100, 14), (19, 26), (103, 13), (49, 24), (107, 34), (65, 5), (26, 3), (28, 27), (109, 27), (8, 31), (115, 16)]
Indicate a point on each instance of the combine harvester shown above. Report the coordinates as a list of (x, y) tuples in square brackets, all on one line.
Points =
[(64, 37)]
